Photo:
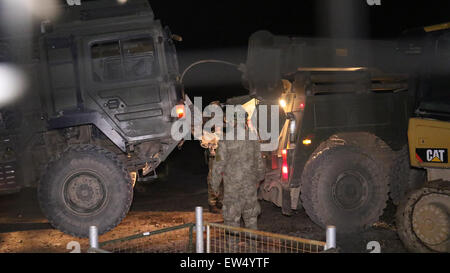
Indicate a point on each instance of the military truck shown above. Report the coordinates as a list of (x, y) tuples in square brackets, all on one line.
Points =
[(345, 107), (102, 84)]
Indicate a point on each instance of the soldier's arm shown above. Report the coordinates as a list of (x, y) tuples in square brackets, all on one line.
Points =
[(218, 166), (260, 166)]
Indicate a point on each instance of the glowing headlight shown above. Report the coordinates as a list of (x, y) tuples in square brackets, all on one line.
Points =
[(283, 103)]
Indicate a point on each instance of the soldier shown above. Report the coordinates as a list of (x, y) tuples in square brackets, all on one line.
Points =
[(240, 165), (214, 199), (209, 142)]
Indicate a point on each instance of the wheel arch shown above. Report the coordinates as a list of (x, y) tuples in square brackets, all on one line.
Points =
[(87, 118)]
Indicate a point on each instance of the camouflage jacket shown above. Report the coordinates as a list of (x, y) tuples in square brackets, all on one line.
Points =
[(238, 162)]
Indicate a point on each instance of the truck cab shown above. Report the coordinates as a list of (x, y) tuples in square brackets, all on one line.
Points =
[(97, 113)]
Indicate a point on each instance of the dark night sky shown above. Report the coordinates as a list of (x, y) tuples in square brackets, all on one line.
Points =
[(229, 23), (220, 29)]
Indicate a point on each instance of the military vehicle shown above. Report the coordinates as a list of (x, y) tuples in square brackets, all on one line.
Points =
[(103, 82), (346, 104), (423, 222)]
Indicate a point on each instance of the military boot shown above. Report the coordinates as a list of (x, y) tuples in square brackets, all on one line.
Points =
[(214, 209)]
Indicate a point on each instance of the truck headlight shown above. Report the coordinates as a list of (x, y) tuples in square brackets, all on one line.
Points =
[(283, 103)]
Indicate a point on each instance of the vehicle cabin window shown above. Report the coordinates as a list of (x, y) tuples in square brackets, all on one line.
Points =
[(124, 60), (444, 47)]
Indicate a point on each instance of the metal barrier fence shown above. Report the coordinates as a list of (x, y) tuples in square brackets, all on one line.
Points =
[(177, 239), (219, 239), (225, 239)]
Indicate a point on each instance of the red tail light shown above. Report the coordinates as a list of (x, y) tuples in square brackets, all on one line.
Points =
[(285, 172), (302, 106), (285, 167), (180, 111)]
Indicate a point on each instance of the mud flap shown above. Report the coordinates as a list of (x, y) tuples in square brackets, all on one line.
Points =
[(296, 203), (286, 207)]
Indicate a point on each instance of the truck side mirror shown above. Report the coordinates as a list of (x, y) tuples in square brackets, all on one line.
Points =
[(177, 38), (172, 36)]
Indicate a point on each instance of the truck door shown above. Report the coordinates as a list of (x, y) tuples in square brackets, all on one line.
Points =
[(124, 78)]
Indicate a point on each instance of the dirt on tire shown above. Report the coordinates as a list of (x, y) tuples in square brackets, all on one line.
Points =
[(325, 198), (405, 178), (405, 222), (85, 186)]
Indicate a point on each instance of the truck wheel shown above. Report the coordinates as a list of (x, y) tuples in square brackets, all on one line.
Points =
[(405, 178), (86, 186), (345, 187), (423, 221)]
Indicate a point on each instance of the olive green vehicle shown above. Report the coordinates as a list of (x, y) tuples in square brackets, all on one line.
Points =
[(345, 106), (103, 83), (97, 113)]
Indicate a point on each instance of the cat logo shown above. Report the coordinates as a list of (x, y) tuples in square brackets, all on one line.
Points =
[(432, 155)]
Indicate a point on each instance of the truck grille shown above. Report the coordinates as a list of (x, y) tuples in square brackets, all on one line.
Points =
[(8, 180), (8, 165)]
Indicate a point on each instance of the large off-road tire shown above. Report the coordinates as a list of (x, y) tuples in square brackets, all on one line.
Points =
[(345, 185), (405, 178), (423, 222), (85, 186)]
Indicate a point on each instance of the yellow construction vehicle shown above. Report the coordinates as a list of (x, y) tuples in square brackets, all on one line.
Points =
[(423, 221)]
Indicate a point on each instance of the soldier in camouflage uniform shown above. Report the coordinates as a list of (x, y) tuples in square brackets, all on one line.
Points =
[(240, 165), (210, 144), (214, 199)]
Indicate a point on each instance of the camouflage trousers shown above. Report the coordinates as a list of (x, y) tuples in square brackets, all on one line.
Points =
[(214, 199), (241, 202)]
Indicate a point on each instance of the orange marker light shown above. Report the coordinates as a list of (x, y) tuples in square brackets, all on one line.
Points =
[(180, 111), (307, 142)]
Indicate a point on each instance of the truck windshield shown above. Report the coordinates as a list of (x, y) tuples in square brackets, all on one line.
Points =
[(124, 60)]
